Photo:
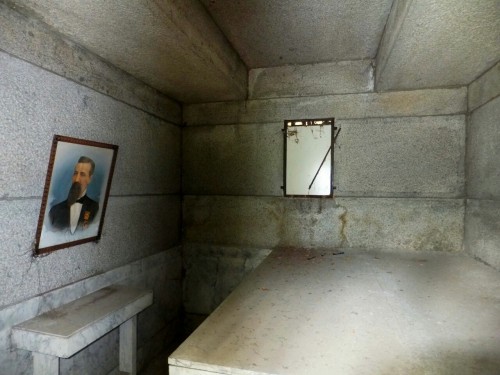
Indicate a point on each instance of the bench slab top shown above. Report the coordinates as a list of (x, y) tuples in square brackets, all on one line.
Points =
[(75, 325)]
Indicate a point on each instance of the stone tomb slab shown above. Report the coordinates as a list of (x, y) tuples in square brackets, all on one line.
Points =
[(362, 312)]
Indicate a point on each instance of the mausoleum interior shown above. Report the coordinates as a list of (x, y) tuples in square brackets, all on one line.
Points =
[(207, 262)]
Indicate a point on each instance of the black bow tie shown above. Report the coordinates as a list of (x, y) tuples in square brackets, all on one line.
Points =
[(81, 200)]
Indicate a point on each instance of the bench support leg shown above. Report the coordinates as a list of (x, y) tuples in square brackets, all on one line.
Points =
[(44, 364), (128, 346)]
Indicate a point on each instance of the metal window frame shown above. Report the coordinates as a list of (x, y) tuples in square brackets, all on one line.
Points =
[(329, 121)]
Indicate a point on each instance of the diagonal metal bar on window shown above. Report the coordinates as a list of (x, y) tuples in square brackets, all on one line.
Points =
[(323, 162)]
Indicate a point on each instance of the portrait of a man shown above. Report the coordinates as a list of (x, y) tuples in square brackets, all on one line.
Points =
[(76, 193), (79, 210)]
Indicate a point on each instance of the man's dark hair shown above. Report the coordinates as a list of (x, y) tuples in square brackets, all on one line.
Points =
[(85, 159)]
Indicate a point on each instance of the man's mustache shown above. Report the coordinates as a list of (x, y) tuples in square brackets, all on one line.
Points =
[(74, 193)]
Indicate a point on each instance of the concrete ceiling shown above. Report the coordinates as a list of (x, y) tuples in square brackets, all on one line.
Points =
[(201, 50), (438, 43), (273, 33), (172, 45)]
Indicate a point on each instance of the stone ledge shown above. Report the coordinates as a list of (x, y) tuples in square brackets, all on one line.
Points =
[(429, 102), (35, 42)]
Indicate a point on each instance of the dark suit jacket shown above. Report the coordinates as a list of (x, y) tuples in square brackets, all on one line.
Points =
[(59, 214)]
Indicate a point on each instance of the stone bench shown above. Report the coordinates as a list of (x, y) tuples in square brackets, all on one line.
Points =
[(64, 331)]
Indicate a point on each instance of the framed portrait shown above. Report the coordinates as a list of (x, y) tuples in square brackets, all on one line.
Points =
[(76, 193)]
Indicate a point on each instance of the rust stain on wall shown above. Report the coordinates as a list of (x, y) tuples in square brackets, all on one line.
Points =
[(343, 221)]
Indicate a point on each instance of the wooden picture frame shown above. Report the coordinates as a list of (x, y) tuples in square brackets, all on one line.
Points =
[(76, 193)]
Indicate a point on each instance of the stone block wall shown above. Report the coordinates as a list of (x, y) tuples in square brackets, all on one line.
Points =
[(51, 86), (482, 219), (399, 169)]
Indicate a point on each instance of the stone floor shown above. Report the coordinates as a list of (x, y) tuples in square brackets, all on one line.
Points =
[(318, 312), (158, 366)]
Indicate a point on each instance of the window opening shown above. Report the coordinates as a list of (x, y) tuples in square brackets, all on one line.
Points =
[(308, 157)]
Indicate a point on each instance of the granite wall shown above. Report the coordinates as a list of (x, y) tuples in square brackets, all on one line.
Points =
[(399, 171), (51, 86), (482, 219)]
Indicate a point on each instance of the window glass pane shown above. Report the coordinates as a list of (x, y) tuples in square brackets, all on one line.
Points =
[(308, 158)]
